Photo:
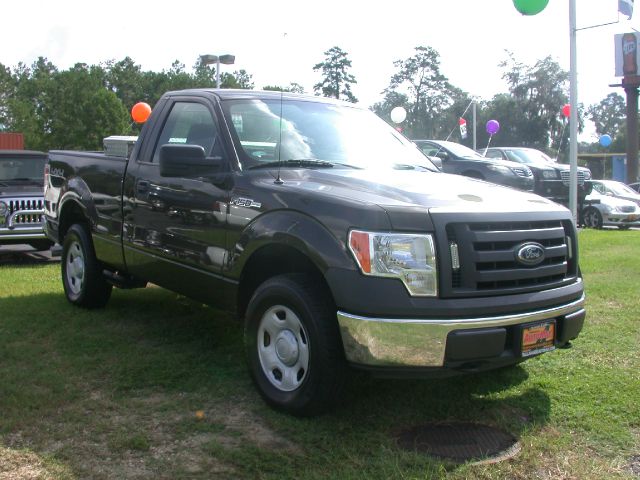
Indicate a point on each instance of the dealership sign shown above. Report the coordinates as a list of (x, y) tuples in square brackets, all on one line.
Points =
[(627, 59)]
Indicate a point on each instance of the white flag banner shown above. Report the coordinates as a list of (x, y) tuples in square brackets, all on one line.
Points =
[(463, 128), (625, 7)]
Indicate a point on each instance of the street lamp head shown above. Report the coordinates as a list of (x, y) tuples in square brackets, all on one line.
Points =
[(217, 60), (208, 59)]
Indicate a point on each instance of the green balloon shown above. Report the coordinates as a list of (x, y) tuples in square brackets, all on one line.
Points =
[(530, 7)]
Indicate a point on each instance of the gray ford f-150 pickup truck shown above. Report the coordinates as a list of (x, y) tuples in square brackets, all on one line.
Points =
[(324, 229)]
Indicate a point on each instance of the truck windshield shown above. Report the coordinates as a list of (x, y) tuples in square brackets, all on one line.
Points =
[(15, 169), (345, 136)]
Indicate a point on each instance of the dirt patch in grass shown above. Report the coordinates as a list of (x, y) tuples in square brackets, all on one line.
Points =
[(25, 465), (149, 435)]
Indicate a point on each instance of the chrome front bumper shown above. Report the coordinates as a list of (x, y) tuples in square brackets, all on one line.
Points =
[(23, 225), (380, 342)]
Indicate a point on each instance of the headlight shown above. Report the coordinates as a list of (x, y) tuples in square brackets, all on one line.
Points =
[(408, 257), (500, 169), (587, 175), (549, 174), (620, 209), (3, 208)]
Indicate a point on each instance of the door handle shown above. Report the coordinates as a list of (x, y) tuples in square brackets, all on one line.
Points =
[(142, 186)]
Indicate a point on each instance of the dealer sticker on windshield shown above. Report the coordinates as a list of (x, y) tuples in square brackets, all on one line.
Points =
[(538, 338)]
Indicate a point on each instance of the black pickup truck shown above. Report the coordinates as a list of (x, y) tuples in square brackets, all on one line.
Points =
[(324, 230)]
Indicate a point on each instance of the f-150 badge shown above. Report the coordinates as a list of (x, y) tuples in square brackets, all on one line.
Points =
[(245, 202)]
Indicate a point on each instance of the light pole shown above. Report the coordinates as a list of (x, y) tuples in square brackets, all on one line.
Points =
[(573, 113), (217, 59)]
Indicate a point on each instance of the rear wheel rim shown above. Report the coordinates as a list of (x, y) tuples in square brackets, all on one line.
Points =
[(75, 267), (283, 348)]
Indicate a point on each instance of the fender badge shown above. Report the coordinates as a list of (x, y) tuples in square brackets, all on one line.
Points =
[(245, 202)]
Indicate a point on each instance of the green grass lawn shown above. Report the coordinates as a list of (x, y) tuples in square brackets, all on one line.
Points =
[(155, 386)]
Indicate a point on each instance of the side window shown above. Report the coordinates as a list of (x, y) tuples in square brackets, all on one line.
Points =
[(428, 150), (599, 188), (493, 154), (189, 124)]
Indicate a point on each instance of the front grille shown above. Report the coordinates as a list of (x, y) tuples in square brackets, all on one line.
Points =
[(32, 208), (627, 208), (566, 175), (488, 260), (522, 172)]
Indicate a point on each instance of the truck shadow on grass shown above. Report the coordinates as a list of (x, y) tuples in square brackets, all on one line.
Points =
[(156, 386)]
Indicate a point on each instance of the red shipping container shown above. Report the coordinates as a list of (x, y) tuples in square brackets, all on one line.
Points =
[(11, 141)]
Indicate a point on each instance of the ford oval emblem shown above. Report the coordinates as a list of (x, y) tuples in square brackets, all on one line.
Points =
[(530, 254)]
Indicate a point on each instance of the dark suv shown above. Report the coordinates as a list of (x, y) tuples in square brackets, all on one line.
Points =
[(462, 160), (21, 198), (551, 178)]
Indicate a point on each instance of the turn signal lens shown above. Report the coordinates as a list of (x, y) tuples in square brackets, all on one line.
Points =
[(359, 244)]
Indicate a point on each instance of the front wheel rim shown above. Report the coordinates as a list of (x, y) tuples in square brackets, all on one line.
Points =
[(283, 348), (75, 268), (591, 219)]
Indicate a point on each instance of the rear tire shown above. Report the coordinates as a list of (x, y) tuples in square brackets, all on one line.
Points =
[(293, 345), (82, 278), (592, 218)]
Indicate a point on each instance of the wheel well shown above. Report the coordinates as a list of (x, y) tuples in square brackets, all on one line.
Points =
[(71, 213), (270, 261)]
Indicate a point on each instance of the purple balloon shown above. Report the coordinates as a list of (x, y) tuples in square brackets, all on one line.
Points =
[(493, 127)]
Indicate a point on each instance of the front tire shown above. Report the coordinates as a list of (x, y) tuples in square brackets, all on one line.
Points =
[(82, 278), (293, 345), (592, 218)]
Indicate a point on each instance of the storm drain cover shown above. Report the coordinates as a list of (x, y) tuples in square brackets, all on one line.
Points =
[(459, 442)]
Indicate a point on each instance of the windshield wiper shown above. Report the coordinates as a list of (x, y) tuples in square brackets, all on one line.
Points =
[(299, 162)]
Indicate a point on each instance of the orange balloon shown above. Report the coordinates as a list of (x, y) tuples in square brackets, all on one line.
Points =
[(140, 112)]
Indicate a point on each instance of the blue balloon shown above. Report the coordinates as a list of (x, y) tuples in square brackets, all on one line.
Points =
[(605, 140)]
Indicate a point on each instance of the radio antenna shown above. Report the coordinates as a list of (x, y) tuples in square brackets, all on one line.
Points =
[(278, 180)]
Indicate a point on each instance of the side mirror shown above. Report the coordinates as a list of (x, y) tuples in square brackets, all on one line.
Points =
[(442, 155), (186, 161)]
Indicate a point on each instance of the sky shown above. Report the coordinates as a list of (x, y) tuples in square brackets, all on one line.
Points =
[(280, 41)]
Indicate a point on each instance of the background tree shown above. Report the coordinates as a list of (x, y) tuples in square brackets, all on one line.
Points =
[(609, 116), (336, 80), (532, 117), (82, 111), (28, 107), (293, 88), (125, 79), (424, 91), (238, 79)]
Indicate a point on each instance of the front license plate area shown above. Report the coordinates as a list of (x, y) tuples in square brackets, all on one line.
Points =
[(538, 338)]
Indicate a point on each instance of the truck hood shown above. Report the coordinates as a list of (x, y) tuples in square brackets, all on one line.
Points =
[(441, 191)]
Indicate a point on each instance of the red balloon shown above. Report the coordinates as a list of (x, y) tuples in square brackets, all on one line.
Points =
[(140, 112), (566, 110)]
